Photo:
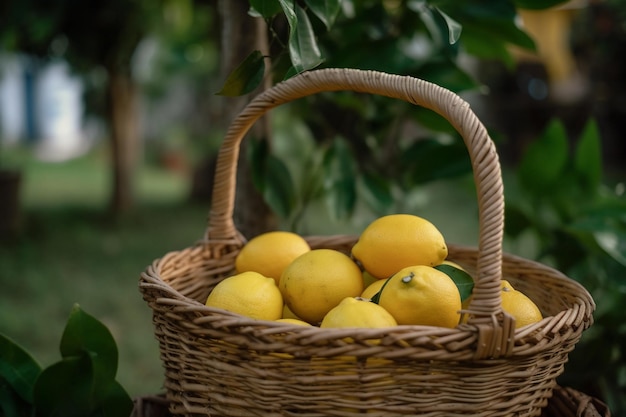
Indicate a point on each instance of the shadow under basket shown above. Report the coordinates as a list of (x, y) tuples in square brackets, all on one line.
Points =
[(219, 363)]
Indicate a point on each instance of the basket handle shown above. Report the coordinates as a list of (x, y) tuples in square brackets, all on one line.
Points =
[(495, 329)]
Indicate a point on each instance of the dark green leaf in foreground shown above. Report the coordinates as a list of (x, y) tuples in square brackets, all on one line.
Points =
[(464, 281), (66, 389), (17, 368), (246, 77), (11, 404), (84, 334), (114, 401), (70, 388), (82, 383)]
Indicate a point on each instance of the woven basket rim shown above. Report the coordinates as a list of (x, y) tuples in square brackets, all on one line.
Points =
[(390, 338)]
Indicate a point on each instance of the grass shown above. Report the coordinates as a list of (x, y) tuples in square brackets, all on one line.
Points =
[(69, 251)]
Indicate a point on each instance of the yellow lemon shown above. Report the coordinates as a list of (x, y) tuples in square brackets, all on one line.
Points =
[(454, 264), (422, 295), (249, 294), (368, 279), (317, 281), (358, 312), (397, 241), (270, 253), (516, 303), (287, 313), (373, 288), (294, 321)]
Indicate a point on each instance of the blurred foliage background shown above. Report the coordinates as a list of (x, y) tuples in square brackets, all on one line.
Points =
[(81, 224)]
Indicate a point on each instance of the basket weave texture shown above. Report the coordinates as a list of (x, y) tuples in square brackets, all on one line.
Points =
[(222, 364), (565, 402)]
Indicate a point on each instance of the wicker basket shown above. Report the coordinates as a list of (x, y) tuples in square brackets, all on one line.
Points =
[(223, 364), (565, 402)]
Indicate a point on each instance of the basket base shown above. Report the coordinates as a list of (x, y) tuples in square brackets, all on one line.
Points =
[(565, 402)]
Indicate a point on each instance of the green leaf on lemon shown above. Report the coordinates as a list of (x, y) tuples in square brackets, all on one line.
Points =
[(376, 297), (464, 281)]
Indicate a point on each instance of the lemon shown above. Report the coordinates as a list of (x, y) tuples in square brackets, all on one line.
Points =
[(358, 312), (453, 264), (373, 288), (294, 321), (368, 279), (516, 303), (317, 281), (270, 253), (287, 313), (249, 294), (422, 295), (397, 241)]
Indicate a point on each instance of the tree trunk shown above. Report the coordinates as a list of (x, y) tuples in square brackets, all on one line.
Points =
[(125, 146), (242, 34)]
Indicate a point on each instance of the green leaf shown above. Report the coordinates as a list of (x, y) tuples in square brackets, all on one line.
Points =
[(613, 243), (83, 382), (445, 72), (432, 121), (588, 157), (516, 221), (66, 389), (545, 160), (115, 401), (487, 46), (340, 183), (377, 191), (271, 177), (436, 23), (265, 8), (85, 334), (494, 24), (303, 49), (439, 24), (246, 77), (428, 160), (258, 152), (537, 4), (376, 297), (279, 192), (325, 10), (11, 404), (464, 281), (454, 28), (18, 368), (607, 228)]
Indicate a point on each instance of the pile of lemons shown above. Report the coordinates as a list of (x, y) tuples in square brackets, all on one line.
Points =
[(391, 277)]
